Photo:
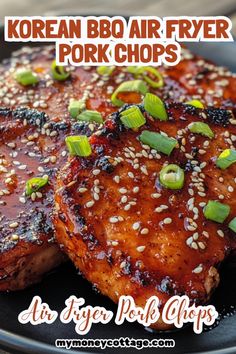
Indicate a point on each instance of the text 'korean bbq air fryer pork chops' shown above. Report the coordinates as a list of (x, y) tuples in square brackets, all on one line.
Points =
[(34, 122)]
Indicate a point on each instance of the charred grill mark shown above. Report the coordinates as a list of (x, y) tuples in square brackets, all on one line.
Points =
[(105, 164), (219, 117), (32, 116)]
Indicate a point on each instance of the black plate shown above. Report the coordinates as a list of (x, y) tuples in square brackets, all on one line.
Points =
[(58, 286)]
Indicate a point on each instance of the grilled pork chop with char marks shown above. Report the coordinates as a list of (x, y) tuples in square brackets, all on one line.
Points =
[(30, 146), (127, 233)]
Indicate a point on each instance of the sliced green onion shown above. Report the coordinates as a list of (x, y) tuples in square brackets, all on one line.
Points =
[(132, 117), (155, 107), (90, 116), (58, 72), (195, 103), (128, 86), (226, 159), (216, 211), (76, 107), (26, 77), (201, 128), (172, 177), (78, 145), (158, 142), (232, 225), (105, 70), (141, 70), (34, 184)]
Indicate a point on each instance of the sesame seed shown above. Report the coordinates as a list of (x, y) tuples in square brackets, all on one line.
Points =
[(116, 179), (22, 200), (198, 269), (33, 196), (124, 199), (201, 245), (140, 248), (89, 204), (127, 207), (14, 237), (167, 221), (190, 191), (41, 169), (13, 225), (39, 194), (144, 231), (123, 264), (82, 190), (206, 234), (96, 196), (123, 190), (155, 195), (144, 170), (220, 233), (136, 189), (158, 209), (195, 236), (130, 174), (96, 172), (114, 243), (22, 167), (113, 219), (230, 189), (194, 245), (136, 226), (189, 241)]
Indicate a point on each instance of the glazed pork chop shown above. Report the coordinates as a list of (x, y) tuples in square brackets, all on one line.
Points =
[(192, 78), (127, 231), (30, 146)]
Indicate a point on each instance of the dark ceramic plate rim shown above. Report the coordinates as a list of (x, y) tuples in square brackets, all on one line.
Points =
[(20, 344)]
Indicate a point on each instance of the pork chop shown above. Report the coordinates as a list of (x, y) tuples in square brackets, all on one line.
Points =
[(126, 232), (30, 146)]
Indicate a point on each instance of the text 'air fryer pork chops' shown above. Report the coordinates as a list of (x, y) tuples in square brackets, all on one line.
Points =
[(127, 233), (192, 78)]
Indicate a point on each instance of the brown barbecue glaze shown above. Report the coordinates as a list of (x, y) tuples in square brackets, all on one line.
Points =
[(130, 236), (191, 78)]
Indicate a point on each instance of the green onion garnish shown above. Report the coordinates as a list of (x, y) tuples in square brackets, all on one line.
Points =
[(34, 184), (158, 141), (58, 72), (232, 225), (105, 70), (128, 86), (195, 103), (26, 77), (172, 177), (141, 70), (76, 107), (132, 117), (216, 211), (155, 107), (78, 145), (90, 116), (201, 128), (226, 159)]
